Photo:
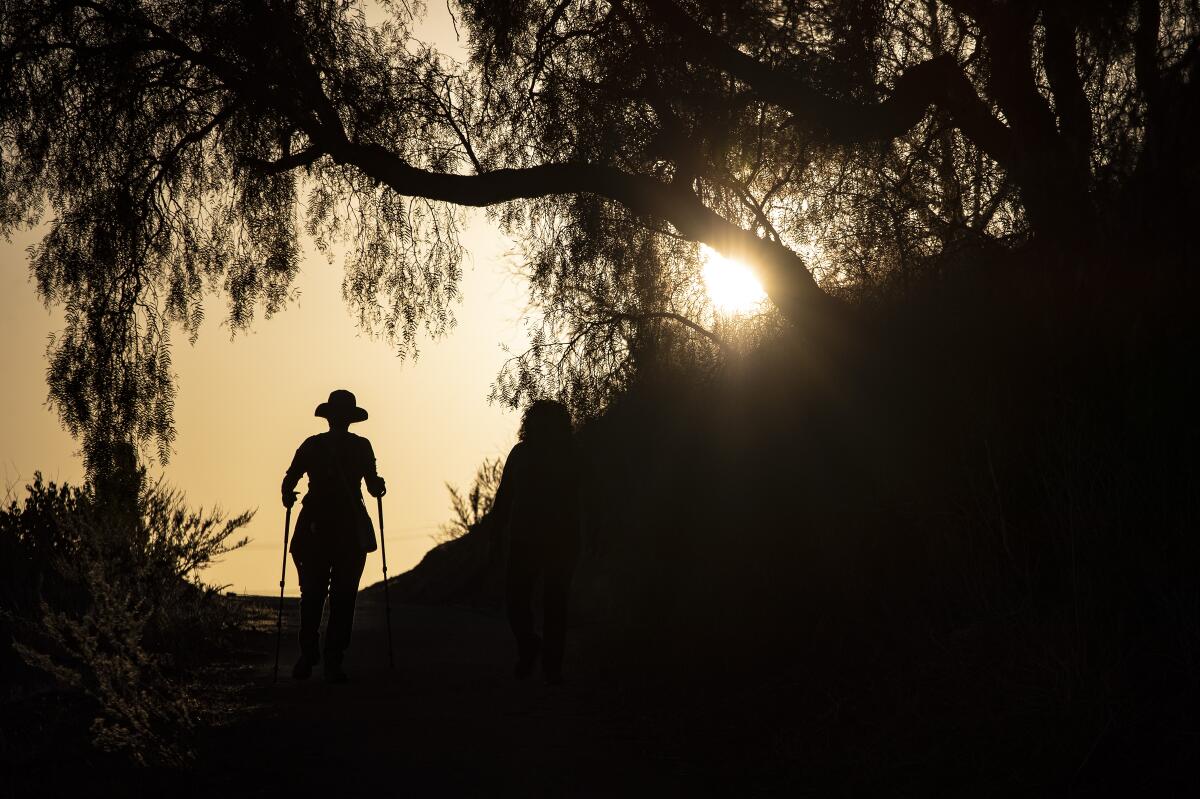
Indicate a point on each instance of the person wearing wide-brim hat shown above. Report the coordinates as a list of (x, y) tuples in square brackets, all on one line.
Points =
[(333, 533)]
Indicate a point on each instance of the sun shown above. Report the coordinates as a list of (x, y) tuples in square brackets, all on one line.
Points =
[(731, 286)]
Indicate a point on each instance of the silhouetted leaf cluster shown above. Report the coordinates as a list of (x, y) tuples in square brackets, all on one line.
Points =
[(471, 508)]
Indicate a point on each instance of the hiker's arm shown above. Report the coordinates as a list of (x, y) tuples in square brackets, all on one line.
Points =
[(501, 511), (376, 487), (502, 505), (497, 518), (292, 477)]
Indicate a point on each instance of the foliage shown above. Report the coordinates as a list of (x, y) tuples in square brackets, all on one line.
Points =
[(844, 149), (142, 714), (104, 598), (34, 525), (470, 510)]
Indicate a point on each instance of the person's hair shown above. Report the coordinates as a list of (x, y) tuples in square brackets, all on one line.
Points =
[(545, 420)]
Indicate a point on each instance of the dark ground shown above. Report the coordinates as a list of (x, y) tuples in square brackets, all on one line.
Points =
[(449, 720)]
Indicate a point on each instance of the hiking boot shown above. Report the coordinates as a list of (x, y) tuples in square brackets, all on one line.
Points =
[(528, 660), (334, 675), (303, 668)]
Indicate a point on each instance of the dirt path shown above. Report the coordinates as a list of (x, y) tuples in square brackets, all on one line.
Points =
[(448, 721)]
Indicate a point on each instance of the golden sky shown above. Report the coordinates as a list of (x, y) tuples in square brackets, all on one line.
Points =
[(246, 403)]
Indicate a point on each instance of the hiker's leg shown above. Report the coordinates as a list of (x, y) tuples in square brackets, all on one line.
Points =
[(522, 574), (314, 572), (347, 571), (560, 567)]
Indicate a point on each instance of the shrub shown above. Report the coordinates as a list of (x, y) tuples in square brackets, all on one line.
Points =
[(470, 509), (104, 599)]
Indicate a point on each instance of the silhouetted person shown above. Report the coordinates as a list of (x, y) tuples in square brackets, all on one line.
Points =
[(330, 545), (537, 504)]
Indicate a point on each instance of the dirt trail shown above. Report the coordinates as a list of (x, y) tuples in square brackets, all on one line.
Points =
[(449, 720)]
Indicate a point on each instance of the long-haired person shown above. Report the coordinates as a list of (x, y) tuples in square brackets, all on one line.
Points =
[(333, 532), (537, 504)]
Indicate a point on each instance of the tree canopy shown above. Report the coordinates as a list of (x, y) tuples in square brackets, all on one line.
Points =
[(842, 149)]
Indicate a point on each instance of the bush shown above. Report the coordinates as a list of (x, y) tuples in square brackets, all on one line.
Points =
[(471, 508), (103, 598)]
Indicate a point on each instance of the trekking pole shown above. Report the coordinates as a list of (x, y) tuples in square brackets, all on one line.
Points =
[(387, 605), (287, 526)]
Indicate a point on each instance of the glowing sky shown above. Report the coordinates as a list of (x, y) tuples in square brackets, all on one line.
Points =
[(245, 404), (732, 286)]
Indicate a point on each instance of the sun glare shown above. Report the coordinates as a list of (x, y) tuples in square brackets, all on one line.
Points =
[(731, 285)]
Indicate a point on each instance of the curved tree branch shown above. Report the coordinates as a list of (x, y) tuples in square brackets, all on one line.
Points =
[(1070, 99), (670, 316), (784, 275), (286, 163), (938, 82)]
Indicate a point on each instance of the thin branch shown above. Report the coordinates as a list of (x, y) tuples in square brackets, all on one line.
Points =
[(287, 163), (715, 339)]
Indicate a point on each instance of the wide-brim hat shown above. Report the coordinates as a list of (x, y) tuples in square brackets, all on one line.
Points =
[(342, 406)]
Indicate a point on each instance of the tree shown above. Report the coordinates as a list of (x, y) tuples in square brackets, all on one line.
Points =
[(838, 147)]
